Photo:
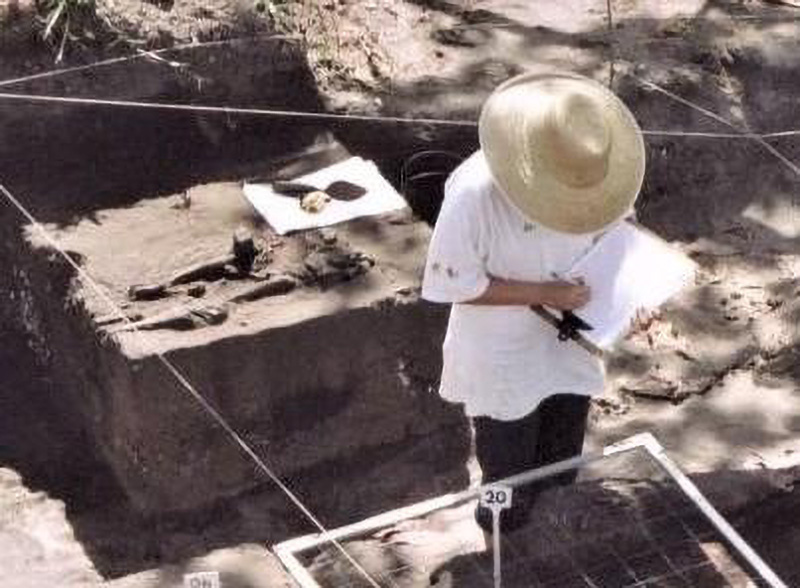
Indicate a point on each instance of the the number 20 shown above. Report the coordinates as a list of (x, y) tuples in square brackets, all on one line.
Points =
[(496, 497)]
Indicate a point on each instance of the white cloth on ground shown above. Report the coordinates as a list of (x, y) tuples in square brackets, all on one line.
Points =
[(285, 214), (500, 361)]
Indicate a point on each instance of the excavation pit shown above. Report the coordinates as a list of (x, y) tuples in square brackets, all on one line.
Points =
[(319, 352)]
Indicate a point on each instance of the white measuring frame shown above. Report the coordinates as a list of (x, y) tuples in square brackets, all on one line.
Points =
[(288, 551)]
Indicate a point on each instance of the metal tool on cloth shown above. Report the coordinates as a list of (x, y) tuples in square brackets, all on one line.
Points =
[(338, 190)]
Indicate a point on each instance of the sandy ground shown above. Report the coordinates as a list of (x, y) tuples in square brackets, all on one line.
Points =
[(714, 377), (38, 544)]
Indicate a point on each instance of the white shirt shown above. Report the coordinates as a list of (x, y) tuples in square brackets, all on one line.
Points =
[(500, 361)]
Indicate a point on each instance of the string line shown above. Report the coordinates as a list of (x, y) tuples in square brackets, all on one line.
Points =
[(712, 135), (612, 48), (140, 54), (713, 115), (185, 383), (769, 19), (333, 117), (229, 110)]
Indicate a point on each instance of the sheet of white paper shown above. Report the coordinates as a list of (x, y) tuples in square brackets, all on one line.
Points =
[(284, 212), (628, 270)]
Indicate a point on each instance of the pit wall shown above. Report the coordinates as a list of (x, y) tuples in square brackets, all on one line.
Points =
[(344, 395)]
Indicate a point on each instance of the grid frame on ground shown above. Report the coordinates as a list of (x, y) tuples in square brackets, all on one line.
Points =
[(673, 536)]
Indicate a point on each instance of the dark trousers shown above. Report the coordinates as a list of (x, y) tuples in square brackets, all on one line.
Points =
[(551, 433)]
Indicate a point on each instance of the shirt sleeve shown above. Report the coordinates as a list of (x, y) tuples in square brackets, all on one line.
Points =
[(455, 270)]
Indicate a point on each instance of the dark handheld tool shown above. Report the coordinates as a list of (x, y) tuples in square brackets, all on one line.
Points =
[(570, 326), (573, 330)]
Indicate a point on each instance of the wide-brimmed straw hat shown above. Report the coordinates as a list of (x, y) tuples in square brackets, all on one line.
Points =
[(564, 149)]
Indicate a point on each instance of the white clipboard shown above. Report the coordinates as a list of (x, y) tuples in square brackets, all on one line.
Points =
[(628, 270)]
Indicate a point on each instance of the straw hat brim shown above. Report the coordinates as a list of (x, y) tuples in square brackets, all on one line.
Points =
[(518, 166)]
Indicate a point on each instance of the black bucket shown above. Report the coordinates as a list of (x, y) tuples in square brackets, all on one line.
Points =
[(422, 180)]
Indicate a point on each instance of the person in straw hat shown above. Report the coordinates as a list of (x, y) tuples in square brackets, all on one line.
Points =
[(561, 160)]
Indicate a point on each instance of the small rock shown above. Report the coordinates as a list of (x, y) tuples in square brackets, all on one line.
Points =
[(461, 37), (261, 274), (315, 202), (274, 287), (209, 271), (105, 321), (211, 315), (327, 268), (147, 292), (400, 218), (183, 201), (244, 249), (197, 291), (328, 236), (231, 272)]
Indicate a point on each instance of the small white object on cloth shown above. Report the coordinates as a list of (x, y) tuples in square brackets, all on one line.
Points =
[(285, 214), (628, 270)]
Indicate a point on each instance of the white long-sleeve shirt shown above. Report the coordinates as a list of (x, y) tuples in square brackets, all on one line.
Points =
[(500, 361)]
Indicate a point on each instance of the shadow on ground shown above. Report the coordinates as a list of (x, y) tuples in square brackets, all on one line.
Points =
[(736, 63)]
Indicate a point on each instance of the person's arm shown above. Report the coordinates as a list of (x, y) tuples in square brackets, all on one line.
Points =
[(455, 269), (557, 294)]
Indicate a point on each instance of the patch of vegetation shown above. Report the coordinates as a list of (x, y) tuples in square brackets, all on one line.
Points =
[(66, 21), (269, 8)]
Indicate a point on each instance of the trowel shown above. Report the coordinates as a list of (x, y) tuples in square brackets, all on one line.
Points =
[(338, 190)]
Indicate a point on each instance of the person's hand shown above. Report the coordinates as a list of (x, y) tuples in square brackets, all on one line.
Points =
[(565, 295)]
